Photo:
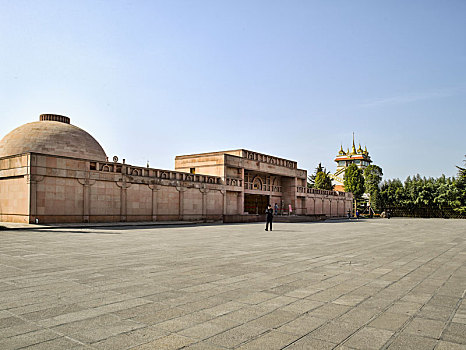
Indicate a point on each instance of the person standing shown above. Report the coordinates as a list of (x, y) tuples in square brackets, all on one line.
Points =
[(269, 213), (276, 209)]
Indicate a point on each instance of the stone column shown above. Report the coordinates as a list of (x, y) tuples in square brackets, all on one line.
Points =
[(240, 203), (289, 189), (155, 190), (224, 193), (32, 181), (87, 183), (204, 191), (181, 191), (123, 197)]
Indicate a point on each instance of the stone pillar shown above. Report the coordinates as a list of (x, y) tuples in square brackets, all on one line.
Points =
[(181, 191), (32, 181), (240, 203), (87, 183), (123, 197), (204, 192), (224, 193), (289, 188), (155, 190)]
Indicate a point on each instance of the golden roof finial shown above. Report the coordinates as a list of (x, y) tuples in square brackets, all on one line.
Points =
[(341, 152), (353, 150)]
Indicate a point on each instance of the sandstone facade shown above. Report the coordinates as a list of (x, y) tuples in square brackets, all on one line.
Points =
[(41, 183)]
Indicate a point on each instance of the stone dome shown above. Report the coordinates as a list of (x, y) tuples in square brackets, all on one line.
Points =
[(53, 134)]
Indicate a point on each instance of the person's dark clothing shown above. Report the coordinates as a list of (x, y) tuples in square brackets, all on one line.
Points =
[(269, 213)]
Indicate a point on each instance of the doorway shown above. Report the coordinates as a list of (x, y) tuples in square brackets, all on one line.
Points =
[(255, 203)]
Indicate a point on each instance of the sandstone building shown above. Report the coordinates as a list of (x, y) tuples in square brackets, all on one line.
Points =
[(52, 171)]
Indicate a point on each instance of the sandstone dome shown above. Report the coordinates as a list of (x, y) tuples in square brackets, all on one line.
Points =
[(53, 134)]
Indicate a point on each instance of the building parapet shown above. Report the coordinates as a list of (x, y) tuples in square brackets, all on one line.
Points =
[(267, 188), (233, 181), (323, 192), (270, 159), (131, 170)]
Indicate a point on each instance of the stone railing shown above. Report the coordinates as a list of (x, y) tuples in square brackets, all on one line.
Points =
[(325, 192), (230, 181), (270, 188), (270, 159), (301, 189), (108, 167)]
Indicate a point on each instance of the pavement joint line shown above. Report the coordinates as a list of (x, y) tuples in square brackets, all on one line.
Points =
[(41, 328), (378, 314), (452, 315), (268, 331), (418, 265), (405, 324)]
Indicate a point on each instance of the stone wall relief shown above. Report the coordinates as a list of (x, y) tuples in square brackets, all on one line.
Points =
[(257, 183)]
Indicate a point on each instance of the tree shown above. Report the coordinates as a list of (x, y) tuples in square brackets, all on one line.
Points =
[(460, 186), (391, 193), (372, 178), (354, 181), (312, 178), (323, 181)]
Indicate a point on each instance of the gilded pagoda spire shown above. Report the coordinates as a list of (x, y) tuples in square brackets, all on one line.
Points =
[(353, 150), (341, 152)]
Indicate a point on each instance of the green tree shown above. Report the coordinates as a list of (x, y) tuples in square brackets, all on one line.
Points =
[(460, 187), (372, 179), (323, 181), (391, 193), (312, 178), (354, 181)]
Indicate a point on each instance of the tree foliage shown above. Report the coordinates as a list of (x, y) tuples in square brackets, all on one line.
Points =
[(372, 179), (311, 179), (323, 181), (354, 181), (442, 195)]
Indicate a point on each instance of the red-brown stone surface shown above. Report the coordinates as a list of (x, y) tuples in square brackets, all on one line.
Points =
[(52, 137)]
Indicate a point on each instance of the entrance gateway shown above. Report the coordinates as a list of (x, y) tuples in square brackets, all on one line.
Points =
[(255, 203)]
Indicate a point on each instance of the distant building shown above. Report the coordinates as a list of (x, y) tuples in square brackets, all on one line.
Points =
[(344, 159)]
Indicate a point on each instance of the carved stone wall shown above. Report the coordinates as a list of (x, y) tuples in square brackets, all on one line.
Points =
[(60, 189)]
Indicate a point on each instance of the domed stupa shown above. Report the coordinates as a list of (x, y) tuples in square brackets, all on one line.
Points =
[(52, 134)]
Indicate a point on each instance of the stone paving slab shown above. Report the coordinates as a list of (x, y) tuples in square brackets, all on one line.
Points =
[(368, 284)]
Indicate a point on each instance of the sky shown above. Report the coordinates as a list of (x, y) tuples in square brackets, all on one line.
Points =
[(154, 79)]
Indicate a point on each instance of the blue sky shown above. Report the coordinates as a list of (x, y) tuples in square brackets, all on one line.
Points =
[(154, 79)]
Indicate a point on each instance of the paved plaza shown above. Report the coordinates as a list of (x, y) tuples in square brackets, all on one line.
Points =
[(368, 284)]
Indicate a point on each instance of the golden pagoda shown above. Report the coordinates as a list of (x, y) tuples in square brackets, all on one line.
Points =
[(344, 159)]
